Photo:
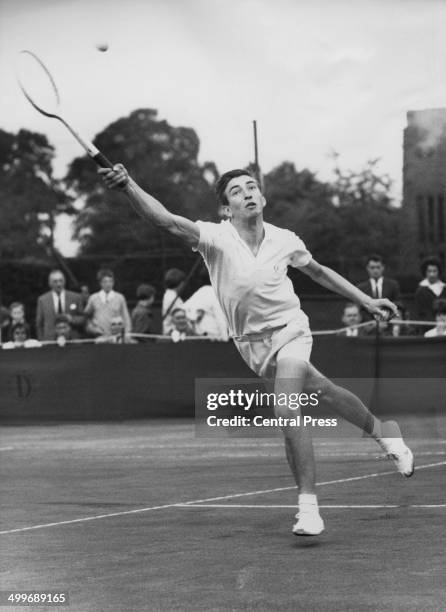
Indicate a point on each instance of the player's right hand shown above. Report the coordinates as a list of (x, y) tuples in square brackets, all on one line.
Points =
[(116, 177)]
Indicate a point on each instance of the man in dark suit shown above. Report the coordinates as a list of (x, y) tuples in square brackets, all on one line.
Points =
[(379, 286), (55, 302)]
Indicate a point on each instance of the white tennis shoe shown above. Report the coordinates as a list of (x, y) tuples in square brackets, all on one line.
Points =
[(309, 523), (393, 445)]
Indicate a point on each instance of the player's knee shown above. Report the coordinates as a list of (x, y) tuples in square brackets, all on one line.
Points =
[(326, 390)]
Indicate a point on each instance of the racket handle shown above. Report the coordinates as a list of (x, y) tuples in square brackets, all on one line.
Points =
[(101, 160)]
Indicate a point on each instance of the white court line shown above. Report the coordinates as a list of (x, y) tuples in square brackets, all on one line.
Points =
[(6, 448), (318, 484), (325, 507), (198, 501)]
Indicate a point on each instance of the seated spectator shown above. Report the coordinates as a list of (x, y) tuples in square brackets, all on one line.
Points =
[(142, 315), (173, 282), (440, 318), (5, 321), (429, 289), (58, 301), (182, 327), (20, 338), (106, 305), (351, 318), (117, 334), (62, 330), (203, 309)]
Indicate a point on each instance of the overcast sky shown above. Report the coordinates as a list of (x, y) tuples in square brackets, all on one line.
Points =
[(318, 75)]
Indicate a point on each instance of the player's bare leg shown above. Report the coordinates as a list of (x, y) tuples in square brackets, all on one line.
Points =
[(290, 379), (350, 407)]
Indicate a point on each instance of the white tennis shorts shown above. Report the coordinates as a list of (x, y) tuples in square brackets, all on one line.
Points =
[(262, 351)]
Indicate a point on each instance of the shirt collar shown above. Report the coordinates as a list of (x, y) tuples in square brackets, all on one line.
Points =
[(426, 283), (231, 228), (104, 296)]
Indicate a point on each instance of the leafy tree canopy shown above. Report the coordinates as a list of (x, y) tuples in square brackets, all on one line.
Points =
[(29, 194), (163, 160)]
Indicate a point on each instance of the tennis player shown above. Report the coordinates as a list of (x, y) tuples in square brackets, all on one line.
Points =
[(247, 261)]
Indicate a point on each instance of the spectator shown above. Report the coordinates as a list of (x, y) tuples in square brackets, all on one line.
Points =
[(351, 318), (182, 327), (20, 338), (439, 307), (105, 305), (204, 310), (62, 330), (142, 313), (85, 293), (117, 333), (429, 289), (173, 283), (379, 286), (58, 301), (5, 321), (16, 315), (17, 312)]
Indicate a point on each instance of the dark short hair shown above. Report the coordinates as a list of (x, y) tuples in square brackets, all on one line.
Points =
[(103, 273), (375, 257), (61, 318), (145, 291), (432, 260), (19, 326), (173, 278), (175, 310), (223, 181), (439, 306)]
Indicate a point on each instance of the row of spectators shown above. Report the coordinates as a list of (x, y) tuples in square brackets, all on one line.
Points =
[(429, 301), (63, 315)]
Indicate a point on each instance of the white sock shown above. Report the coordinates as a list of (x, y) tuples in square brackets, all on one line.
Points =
[(308, 502)]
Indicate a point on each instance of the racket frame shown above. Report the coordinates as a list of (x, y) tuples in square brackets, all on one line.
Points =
[(92, 151)]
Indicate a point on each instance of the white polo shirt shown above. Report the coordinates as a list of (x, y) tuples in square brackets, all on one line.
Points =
[(254, 291)]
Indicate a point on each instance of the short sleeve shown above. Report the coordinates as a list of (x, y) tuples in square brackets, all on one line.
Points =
[(299, 254), (206, 242)]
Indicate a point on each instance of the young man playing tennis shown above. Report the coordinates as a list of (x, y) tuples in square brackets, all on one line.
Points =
[(247, 261)]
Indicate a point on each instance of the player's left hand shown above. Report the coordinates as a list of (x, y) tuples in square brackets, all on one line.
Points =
[(382, 309)]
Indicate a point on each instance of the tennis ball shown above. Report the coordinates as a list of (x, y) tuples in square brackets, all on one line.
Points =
[(102, 47)]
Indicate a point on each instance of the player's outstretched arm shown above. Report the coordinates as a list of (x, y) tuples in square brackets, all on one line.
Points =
[(149, 208), (330, 279)]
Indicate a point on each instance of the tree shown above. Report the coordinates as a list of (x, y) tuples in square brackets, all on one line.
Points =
[(297, 200), (163, 160), (30, 196), (341, 222), (370, 222)]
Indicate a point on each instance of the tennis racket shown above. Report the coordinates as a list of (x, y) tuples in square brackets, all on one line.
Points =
[(39, 88)]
